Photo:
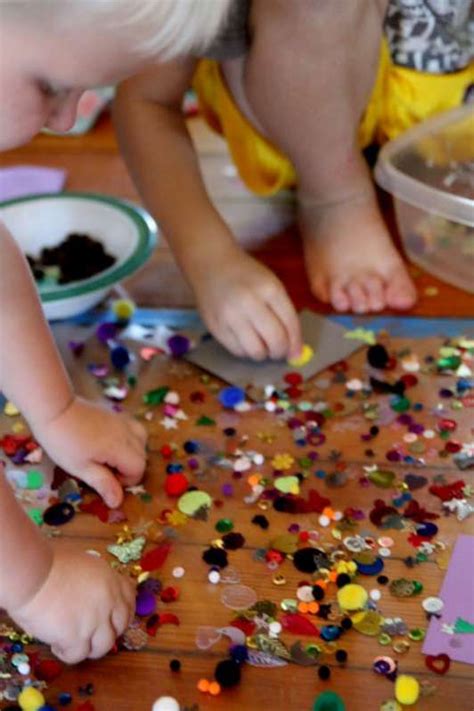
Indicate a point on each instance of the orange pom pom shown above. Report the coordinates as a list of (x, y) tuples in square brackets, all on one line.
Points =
[(214, 688)]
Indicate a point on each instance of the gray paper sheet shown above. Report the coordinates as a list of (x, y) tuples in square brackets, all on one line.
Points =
[(324, 336)]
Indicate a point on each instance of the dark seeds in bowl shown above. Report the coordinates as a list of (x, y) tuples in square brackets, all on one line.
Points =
[(77, 257)]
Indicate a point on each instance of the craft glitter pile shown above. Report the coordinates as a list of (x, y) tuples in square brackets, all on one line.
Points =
[(335, 565)]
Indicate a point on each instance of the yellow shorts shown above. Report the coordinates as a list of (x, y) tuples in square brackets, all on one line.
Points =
[(400, 98)]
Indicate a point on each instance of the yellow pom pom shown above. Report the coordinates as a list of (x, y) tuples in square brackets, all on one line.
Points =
[(30, 699), (305, 356), (352, 597), (123, 309), (11, 410), (407, 690)]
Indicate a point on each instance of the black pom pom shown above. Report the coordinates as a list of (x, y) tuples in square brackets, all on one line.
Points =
[(175, 665), (346, 623), (343, 579), (308, 560), (262, 521), (382, 580), (227, 673), (341, 656), (377, 356), (233, 541), (318, 593), (230, 432), (324, 672), (215, 556), (374, 430)]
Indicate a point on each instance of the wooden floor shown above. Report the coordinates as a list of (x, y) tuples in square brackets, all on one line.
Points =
[(131, 681)]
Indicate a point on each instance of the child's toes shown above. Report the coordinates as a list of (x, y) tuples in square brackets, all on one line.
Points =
[(374, 289), (358, 297), (339, 297), (320, 288), (401, 292)]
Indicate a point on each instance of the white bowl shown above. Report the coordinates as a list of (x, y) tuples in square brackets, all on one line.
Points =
[(127, 231)]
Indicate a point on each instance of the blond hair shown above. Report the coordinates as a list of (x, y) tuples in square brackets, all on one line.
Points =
[(162, 28)]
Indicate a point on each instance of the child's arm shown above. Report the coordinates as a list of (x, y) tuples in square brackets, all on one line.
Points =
[(245, 306), (45, 592), (83, 438)]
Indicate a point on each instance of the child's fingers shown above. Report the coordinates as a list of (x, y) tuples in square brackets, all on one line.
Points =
[(271, 330), (121, 619), (129, 461), (229, 340), (101, 479), (139, 431), (103, 640), (253, 345), (285, 311), (72, 655)]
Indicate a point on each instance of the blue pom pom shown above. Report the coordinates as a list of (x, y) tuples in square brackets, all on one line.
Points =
[(120, 357), (231, 396)]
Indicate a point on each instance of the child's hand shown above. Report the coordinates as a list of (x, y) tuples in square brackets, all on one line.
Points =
[(80, 609), (247, 309), (87, 440)]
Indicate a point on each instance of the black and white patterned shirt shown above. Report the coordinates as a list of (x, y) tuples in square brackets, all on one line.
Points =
[(435, 36)]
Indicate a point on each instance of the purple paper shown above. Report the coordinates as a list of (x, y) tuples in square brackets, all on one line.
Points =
[(457, 593), (20, 180)]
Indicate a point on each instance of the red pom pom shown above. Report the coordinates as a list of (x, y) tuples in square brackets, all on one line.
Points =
[(176, 484)]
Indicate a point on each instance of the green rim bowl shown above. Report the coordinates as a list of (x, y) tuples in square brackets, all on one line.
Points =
[(128, 232)]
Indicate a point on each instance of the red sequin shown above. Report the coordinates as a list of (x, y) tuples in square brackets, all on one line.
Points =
[(297, 624), (446, 425), (96, 507), (409, 380), (155, 558), (447, 492), (452, 447), (169, 595), (166, 451), (197, 396)]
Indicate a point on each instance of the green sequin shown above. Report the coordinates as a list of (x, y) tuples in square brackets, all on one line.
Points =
[(157, 396)]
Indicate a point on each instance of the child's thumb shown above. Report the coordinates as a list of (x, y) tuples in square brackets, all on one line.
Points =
[(104, 482)]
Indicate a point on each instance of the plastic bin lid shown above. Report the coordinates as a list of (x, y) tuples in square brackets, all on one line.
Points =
[(431, 166)]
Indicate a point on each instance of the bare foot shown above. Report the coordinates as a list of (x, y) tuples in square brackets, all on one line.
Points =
[(351, 261)]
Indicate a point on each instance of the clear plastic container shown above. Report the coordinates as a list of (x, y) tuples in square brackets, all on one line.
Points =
[(429, 170)]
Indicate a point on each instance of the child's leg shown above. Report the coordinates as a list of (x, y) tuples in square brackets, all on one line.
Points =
[(306, 82)]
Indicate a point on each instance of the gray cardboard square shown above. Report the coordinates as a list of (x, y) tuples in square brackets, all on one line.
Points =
[(325, 337)]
